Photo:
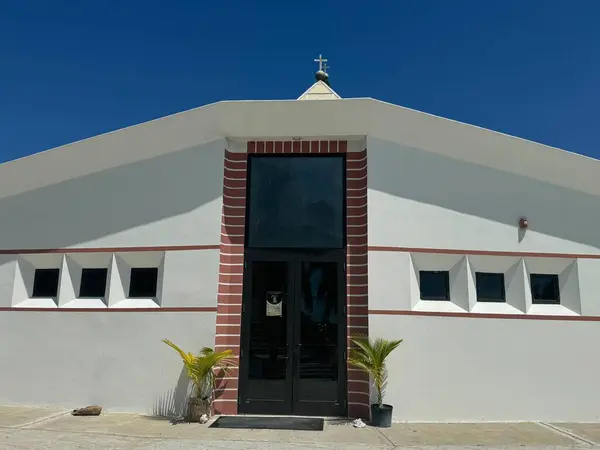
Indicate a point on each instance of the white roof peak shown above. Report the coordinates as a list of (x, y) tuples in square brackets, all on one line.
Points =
[(320, 91)]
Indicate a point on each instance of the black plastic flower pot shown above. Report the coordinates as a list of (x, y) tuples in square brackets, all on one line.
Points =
[(381, 417)]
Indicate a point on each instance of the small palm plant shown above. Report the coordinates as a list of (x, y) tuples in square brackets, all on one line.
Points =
[(370, 356), (201, 370)]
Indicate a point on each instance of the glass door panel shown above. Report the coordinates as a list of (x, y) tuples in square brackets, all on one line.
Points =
[(317, 337), (268, 379), (293, 337)]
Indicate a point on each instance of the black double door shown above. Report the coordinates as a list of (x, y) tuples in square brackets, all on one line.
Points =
[(293, 334)]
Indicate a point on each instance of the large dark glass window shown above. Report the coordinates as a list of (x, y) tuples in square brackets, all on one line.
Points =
[(544, 289), (296, 202), (434, 285), (490, 287)]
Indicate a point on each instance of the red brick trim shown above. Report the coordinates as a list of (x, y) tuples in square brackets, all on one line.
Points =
[(297, 147), (232, 257), (115, 310), (231, 270), (448, 251), (357, 276), (390, 312), (164, 248)]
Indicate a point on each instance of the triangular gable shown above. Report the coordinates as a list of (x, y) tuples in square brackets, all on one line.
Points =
[(319, 91)]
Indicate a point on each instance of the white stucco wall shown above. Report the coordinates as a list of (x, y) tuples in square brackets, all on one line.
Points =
[(465, 369), (481, 369), (448, 368), (115, 359), (170, 200), (424, 200), (111, 358)]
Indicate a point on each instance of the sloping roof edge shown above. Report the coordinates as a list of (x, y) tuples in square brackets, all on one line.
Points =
[(280, 118)]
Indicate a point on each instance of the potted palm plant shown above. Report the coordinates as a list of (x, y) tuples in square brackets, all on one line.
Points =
[(201, 370), (370, 356)]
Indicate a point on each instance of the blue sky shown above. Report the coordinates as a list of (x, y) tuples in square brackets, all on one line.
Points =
[(74, 69)]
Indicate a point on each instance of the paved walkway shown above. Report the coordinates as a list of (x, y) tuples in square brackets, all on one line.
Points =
[(37, 428)]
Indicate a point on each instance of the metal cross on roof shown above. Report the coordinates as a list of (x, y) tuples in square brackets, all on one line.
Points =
[(321, 60)]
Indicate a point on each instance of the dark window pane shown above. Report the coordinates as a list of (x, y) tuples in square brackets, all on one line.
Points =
[(490, 287), (268, 327), (296, 202), (45, 283), (93, 283), (544, 289), (143, 282), (319, 319), (434, 285)]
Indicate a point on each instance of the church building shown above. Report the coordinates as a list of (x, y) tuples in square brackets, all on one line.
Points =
[(281, 229)]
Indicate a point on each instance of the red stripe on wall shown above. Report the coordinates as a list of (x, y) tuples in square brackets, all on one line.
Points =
[(447, 251), (163, 248), (228, 310), (386, 312), (157, 309)]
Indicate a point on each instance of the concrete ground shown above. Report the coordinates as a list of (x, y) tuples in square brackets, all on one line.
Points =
[(37, 428)]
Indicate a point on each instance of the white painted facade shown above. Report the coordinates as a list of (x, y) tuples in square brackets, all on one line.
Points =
[(481, 369), (464, 369), (115, 359), (434, 184)]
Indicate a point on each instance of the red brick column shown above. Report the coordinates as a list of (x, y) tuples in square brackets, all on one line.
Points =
[(357, 275), (229, 299), (231, 270)]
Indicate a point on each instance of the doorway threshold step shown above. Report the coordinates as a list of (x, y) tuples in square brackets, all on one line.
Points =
[(270, 423)]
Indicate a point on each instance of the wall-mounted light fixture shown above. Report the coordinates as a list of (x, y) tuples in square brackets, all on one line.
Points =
[(523, 223)]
